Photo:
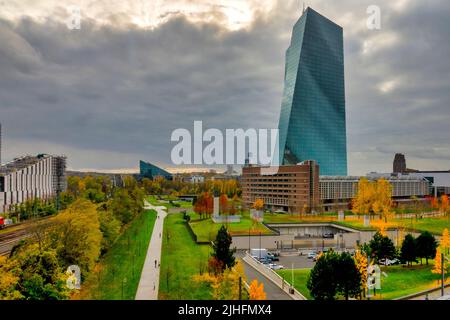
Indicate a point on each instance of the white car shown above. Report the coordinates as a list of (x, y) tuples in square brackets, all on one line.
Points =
[(274, 266), (389, 262), (312, 255)]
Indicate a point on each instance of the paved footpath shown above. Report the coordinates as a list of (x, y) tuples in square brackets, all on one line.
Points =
[(434, 295), (149, 282)]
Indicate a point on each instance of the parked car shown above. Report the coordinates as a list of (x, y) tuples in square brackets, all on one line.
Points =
[(312, 255), (389, 262), (272, 256), (275, 266), (328, 236)]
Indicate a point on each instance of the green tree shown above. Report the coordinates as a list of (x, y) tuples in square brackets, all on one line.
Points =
[(348, 277), (408, 252), (382, 247), (221, 248), (110, 228), (39, 275), (322, 282), (76, 236), (426, 246)]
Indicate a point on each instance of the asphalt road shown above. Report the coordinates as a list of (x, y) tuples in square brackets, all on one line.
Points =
[(272, 291), (296, 261)]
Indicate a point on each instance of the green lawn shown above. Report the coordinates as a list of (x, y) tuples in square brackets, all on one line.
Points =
[(206, 230), (118, 273), (400, 281), (156, 202), (300, 279), (181, 259), (433, 225)]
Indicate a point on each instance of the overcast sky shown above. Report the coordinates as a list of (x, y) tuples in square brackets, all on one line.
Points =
[(112, 92)]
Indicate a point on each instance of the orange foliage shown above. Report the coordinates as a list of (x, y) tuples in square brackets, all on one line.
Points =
[(438, 263), (223, 203), (259, 204), (444, 204), (257, 291), (435, 203)]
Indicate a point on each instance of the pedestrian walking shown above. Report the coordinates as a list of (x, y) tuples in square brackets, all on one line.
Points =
[(154, 286), (156, 263)]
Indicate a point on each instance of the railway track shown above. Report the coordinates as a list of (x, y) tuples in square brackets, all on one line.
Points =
[(8, 239)]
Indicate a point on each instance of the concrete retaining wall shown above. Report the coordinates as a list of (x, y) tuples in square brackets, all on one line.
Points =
[(270, 242), (274, 277)]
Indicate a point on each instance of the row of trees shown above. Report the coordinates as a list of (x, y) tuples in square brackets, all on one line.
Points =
[(32, 208), (204, 205), (381, 247), (341, 274), (442, 204), (162, 186), (78, 235)]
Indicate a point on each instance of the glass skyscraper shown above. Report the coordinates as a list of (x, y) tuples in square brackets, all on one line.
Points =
[(312, 120)]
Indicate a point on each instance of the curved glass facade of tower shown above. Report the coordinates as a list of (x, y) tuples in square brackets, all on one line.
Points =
[(312, 120)]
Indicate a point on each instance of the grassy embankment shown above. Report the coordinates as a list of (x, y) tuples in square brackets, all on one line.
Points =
[(165, 201), (181, 259), (206, 230), (117, 275)]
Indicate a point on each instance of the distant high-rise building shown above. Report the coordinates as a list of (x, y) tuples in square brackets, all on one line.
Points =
[(312, 120), (399, 163)]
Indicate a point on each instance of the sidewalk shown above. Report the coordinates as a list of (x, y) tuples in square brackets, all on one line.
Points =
[(149, 282)]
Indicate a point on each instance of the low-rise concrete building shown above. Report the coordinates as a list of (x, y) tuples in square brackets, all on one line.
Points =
[(337, 192)]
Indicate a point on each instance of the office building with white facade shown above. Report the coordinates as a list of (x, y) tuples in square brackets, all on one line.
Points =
[(42, 176), (340, 190)]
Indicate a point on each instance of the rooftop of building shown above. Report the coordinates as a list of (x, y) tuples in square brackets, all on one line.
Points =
[(21, 163), (370, 177)]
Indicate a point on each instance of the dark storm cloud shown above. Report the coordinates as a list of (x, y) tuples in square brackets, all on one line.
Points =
[(106, 90)]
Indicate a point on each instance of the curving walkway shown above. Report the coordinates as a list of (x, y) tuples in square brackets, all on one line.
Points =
[(149, 282)]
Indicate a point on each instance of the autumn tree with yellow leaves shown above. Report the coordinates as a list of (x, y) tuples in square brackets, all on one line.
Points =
[(258, 204), (373, 197), (361, 262), (438, 263), (445, 241), (256, 291), (226, 285), (361, 204)]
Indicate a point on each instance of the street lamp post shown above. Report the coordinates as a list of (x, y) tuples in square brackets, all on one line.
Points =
[(249, 240), (443, 275)]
